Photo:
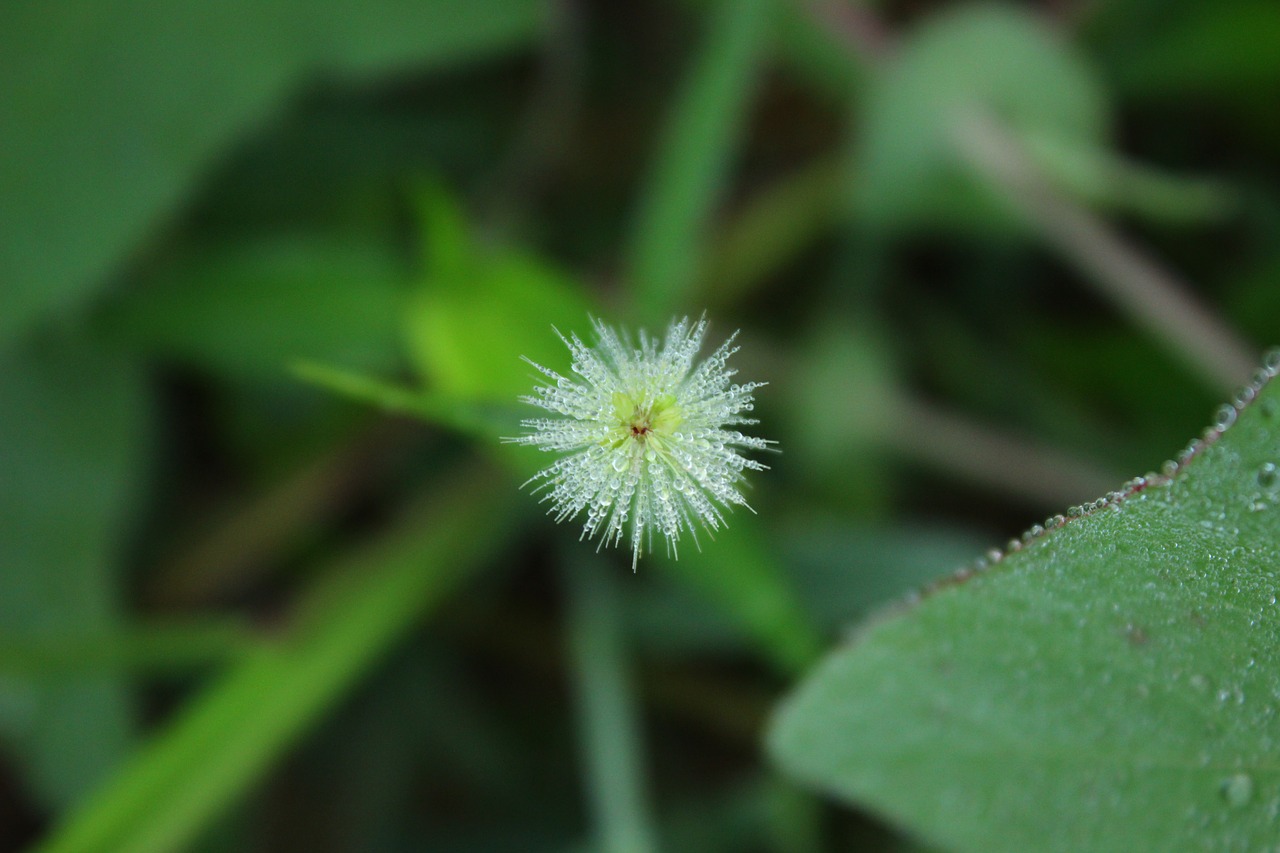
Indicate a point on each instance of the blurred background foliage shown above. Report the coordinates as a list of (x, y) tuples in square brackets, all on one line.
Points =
[(991, 259)]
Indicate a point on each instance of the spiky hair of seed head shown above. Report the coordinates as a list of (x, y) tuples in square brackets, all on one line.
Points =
[(648, 435)]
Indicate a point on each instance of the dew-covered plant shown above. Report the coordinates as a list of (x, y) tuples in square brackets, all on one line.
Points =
[(650, 436)]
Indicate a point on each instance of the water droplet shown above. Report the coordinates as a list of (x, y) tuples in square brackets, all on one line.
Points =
[(1267, 475), (1271, 362), (1225, 417), (619, 463), (1237, 790)]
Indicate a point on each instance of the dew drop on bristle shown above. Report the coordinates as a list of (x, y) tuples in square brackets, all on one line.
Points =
[(1225, 417)]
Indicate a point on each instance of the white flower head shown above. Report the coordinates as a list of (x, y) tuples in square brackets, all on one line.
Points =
[(649, 436)]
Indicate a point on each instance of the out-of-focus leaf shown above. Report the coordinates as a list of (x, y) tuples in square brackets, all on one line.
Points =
[(477, 311), (490, 421), (250, 311), (988, 58), (1110, 686), (693, 159), (226, 738), (113, 109), (72, 453), (1100, 177)]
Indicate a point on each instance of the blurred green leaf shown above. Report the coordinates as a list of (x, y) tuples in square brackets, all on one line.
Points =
[(1111, 686), (72, 427), (478, 310), (693, 159), (224, 740), (114, 109), (1098, 176), (488, 421), (986, 58), (250, 310)]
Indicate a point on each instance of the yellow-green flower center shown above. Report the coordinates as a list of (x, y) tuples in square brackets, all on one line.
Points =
[(643, 419)]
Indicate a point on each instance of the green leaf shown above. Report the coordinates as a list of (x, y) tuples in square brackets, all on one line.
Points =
[(72, 433), (113, 109), (1099, 177), (992, 59), (693, 159), (486, 421), (227, 738), (1112, 685), (251, 310), (479, 309)]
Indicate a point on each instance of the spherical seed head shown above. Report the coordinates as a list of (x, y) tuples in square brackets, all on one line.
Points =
[(648, 435)]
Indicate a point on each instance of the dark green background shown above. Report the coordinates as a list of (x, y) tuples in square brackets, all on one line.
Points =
[(240, 610)]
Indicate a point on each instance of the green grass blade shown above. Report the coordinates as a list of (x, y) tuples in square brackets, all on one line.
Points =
[(693, 159), (228, 737)]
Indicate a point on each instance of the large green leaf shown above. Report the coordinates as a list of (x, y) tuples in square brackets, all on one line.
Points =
[(113, 109), (1111, 685)]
